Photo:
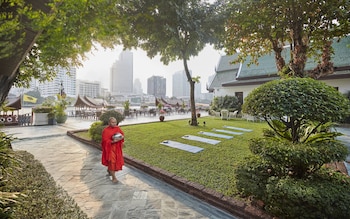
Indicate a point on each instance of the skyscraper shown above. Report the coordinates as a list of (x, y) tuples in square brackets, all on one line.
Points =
[(138, 86), (181, 87), (156, 86), (122, 74)]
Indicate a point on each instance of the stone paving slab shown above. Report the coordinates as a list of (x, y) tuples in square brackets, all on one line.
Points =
[(181, 146), (201, 139)]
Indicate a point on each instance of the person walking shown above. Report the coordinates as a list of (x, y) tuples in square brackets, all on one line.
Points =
[(112, 145)]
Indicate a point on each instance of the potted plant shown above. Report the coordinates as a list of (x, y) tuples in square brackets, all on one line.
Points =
[(126, 108), (60, 106), (161, 112), (161, 115), (198, 113), (51, 118)]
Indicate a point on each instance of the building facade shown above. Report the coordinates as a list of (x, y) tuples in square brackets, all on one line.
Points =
[(122, 74), (89, 89), (67, 78), (156, 86)]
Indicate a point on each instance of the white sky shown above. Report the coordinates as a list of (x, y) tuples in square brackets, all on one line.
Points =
[(97, 67)]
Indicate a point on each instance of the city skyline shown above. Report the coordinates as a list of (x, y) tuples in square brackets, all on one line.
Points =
[(97, 67)]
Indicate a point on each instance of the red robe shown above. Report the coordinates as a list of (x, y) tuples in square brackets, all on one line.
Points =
[(112, 154)]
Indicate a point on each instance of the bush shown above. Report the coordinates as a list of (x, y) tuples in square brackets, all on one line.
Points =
[(96, 128), (324, 195), (231, 103), (297, 159), (95, 131), (252, 176), (43, 109), (112, 113)]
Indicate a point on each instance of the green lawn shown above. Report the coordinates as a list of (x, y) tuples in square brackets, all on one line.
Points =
[(212, 167)]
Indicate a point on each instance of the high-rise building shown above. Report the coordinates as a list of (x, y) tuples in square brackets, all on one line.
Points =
[(138, 86), (122, 74), (181, 87), (64, 77), (156, 86), (89, 89)]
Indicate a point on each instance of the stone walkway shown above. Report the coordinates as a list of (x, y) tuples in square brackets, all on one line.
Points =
[(76, 168)]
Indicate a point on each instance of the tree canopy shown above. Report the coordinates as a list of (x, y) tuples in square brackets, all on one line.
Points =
[(175, 30), (308, 27)]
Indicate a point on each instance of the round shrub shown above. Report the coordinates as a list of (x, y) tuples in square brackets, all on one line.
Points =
[(111, 113), (294, 102), (304, 98), (95, 131)]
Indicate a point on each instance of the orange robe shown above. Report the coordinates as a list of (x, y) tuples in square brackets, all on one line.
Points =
[(112, 154)]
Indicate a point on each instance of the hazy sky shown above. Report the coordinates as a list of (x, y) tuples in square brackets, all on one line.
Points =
[(97, 66)]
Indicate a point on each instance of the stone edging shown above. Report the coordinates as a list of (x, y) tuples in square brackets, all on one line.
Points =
[(228, 204)]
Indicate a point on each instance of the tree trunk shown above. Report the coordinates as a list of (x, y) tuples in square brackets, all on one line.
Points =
[(326, 66), (192, 100), (280, 62), (6, 83)]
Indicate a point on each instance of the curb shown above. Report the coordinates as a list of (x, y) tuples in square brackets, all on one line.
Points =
[(228, 204)]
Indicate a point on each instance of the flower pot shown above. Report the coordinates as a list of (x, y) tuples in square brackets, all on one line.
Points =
[(61, 119), (52, 121), (161, 118)]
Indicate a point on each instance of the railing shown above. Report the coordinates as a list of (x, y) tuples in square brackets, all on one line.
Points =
[(11, 120)]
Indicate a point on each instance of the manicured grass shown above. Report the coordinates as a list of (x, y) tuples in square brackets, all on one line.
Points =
[(212, 167)]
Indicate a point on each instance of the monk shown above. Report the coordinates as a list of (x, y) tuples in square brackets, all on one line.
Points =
[(112, 154)]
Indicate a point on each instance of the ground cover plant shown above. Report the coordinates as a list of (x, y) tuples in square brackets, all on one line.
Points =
[(35, 192)]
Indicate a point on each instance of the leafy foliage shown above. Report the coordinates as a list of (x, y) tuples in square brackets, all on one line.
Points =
[(324, 195), (294, 102), (7, 198), (297, 160), (111, 113), (75, 25), (95, 131), (39, 196), (231, 103)]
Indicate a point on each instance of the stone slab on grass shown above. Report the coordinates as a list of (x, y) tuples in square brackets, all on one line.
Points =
[(201, 139), (181, 146)]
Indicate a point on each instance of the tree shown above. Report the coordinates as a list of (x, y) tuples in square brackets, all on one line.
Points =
[(67, 32), (308, 27), (176, 30)]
